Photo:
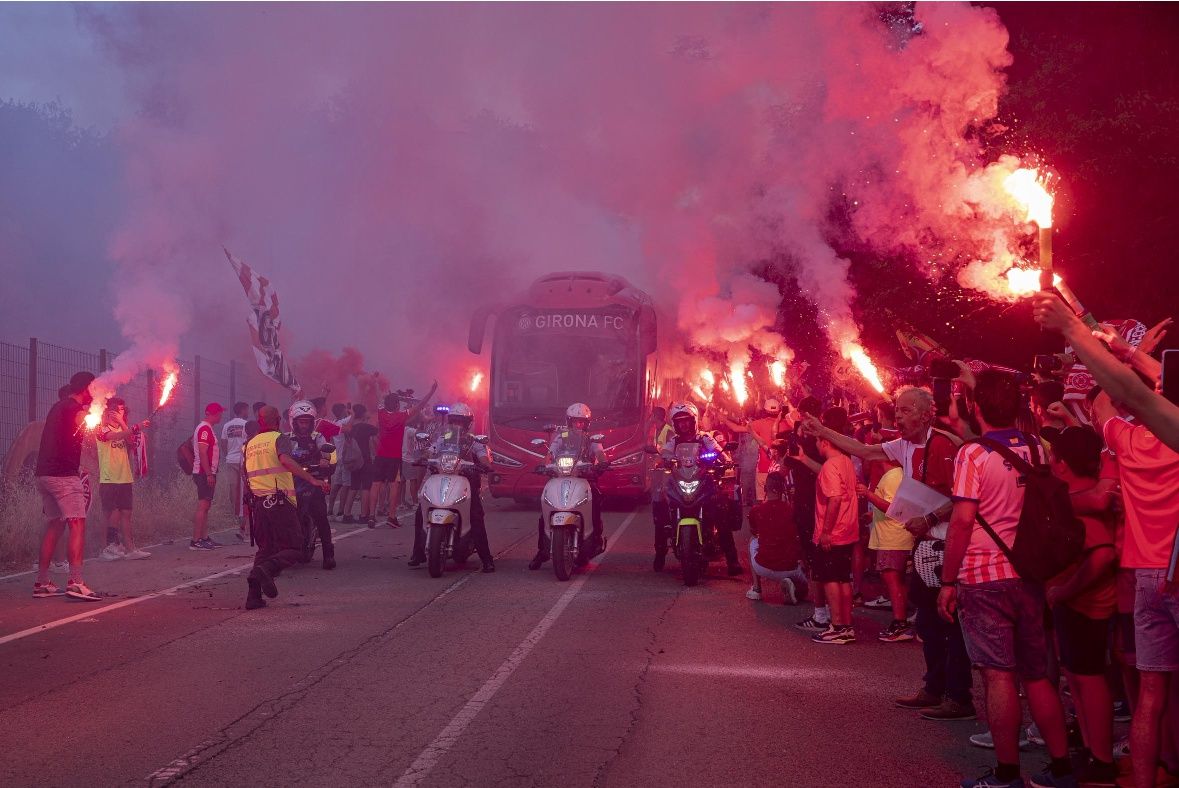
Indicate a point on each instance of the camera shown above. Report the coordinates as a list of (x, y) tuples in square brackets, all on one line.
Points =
[(1047, 364)]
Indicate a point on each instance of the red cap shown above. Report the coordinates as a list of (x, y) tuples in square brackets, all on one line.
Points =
[(214, 407)]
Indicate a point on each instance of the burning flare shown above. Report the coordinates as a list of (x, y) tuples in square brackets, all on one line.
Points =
[(854, 353), (778, 373), (476, 379), (1026, 281), (737, 379), (1027, 187), (170, 380)]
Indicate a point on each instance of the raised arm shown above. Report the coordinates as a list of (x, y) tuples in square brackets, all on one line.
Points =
[(849, 445)]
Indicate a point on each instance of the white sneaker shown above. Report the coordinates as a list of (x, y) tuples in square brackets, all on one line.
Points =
[(985, 740), (788, 591), (879, 603), (112, 552), (54, 566), (137, 555), (81, 591), (753, 594)]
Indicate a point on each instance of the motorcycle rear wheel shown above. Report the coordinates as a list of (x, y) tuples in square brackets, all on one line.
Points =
[(435, 547), (690, 557), (562, 552)]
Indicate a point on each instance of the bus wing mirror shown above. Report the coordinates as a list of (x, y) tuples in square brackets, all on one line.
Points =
[(597, 437), (538, 441), (480, 438)]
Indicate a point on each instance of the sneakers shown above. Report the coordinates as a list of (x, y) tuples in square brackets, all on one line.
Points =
[(46, 590), (922, 700), (989, 780), (1034, 735), (137, 555), (391, 521), (897, 632), (202, 544), (836, 636), (112, 552), (879, 603), (1121, 748), (753, 594), (80, 591), (371, 522), (1048, 780), (809, 624), (54, 566), (788, 594), (986, 741), (949, 710), (1121, 711)]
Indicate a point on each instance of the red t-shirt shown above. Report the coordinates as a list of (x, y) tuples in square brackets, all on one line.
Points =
[(772, 522), (836, 487), (391, 433), (1149, 472)]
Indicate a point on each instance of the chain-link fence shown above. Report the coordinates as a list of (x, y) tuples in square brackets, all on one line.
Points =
[(31, 375)]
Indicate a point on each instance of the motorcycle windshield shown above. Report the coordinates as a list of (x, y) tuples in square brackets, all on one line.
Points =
[(687, 457)]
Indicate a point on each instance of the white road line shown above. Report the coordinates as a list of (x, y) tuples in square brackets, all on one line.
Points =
[(91, 612), (435, 750), (761, 674)]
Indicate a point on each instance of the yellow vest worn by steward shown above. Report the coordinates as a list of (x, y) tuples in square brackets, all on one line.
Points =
[(264, 472)]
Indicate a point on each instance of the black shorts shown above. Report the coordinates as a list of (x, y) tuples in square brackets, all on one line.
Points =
[(834, 565), (1083, 641), (204, 489), (386, 469), (362, 477), (115, 497)]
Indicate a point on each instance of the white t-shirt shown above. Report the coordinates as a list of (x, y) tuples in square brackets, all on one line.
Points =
[(204, 434), (234, 435)]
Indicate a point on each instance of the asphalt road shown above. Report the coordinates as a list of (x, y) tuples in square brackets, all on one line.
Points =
[(375, 674)]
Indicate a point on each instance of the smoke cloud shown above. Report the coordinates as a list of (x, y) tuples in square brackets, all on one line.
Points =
[(389, 168)]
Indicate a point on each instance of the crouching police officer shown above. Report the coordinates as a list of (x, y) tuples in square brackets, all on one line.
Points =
[(274, 521)]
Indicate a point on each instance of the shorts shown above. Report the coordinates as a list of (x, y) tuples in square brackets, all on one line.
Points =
[(1156, 623), (1003, 624), (342, 477), (386, 469), (892, 560), (204, 489), (834, 565), (1083, 641), (115, 497), (362, 478), (62, 497)]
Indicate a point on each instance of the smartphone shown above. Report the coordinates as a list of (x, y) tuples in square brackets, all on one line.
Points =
[(1170, 378), (943, 391), (1047, 364), (943, 368)]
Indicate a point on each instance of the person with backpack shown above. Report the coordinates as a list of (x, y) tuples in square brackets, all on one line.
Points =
[(1003, 493)]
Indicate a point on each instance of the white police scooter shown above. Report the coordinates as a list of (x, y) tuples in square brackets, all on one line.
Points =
[(445, 500), (566, 505)]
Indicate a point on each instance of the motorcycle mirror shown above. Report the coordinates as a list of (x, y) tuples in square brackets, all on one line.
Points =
[(538, 441), (480, 438), (597, 436), (422, 436)]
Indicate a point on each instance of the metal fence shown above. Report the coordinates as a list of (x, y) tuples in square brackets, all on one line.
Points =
[(31, 374)]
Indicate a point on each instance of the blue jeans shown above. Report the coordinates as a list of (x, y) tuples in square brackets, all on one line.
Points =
[(1003, 621), (1156, 622), (778, 575), (947, 667)]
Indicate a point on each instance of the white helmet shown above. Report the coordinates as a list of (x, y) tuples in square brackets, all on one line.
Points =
[(682, 409), (772, 406), (300, 409), (460, 409), (578, 410)]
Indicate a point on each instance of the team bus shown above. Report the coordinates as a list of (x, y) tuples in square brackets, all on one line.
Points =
[(572, 337)]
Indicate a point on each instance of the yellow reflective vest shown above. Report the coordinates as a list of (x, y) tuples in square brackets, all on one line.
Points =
[(264, 471)]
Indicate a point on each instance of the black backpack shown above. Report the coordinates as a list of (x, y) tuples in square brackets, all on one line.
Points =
[(1049, 537)]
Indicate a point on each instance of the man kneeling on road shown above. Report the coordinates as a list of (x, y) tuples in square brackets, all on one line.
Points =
[(274, 521)]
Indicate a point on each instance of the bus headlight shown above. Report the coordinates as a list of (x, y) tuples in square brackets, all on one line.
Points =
[(504, 460)]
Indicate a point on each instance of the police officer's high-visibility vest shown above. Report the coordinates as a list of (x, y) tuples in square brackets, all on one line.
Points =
[(264, 471)]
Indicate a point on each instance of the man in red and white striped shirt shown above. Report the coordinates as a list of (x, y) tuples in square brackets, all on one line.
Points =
[(1002, 615)]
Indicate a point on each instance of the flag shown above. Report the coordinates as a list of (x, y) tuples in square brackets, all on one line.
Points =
[(264, 323)]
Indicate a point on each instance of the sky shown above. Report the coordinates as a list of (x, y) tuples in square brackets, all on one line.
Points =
[(392, 167)]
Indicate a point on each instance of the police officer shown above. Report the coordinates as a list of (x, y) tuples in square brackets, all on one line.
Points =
[(684, 417), (577, 423), (270, 473), (315, 453), (457, 432)]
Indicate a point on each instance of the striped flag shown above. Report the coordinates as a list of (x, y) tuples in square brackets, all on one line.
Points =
[(264, 323)]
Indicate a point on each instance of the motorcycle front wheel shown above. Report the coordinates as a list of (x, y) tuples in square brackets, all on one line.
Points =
[(562, 552), (435, 549), (689, 552)]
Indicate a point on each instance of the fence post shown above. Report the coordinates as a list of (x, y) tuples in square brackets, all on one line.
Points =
[(196, 391), (150, 434), (232, 384), (32, 378), (103, 360)]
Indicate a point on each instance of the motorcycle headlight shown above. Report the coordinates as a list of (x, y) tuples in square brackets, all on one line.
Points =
[(504, 460), (688, 488), (565, 465), (448, 463), (630, 459)]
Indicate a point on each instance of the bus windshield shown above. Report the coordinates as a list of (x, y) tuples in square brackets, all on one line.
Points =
[(537, 376)]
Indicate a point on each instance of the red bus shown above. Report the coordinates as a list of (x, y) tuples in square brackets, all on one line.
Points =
[(576, 336)]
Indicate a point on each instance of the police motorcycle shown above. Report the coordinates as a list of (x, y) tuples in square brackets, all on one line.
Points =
[(316, 455), (702, 496), (566, 504), (445, 500)]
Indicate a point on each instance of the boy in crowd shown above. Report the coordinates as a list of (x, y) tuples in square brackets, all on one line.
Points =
[(892, 544), (837, 529), (774, 551), (114, 440)]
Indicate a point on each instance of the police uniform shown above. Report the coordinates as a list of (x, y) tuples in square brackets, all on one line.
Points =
[(274, 520), (307, 450)]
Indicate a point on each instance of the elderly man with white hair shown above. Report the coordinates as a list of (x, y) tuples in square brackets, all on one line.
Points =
[(926, 455)]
